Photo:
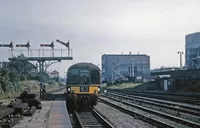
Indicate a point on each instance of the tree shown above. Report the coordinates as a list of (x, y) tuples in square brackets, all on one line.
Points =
[(23, 68), (14, 72), (4, 78)]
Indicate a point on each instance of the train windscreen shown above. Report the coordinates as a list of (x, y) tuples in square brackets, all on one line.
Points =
[(84, 76), (76, 76), (73, 76)]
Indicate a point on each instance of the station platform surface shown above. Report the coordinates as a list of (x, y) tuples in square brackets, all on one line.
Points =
[(58, 115), (39, 119)]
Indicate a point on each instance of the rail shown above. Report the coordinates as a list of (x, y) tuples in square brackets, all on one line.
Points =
[(140, 116), (195, 100), (161, 103), (150, 110), (91, 118)]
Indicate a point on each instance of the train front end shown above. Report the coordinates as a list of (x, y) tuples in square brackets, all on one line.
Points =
[(83, 85)]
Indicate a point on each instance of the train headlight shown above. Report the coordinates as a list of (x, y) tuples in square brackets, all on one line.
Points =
[(105, 91)]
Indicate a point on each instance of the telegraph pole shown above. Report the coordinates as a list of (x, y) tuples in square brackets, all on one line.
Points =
[(181, 53), (41, 64)]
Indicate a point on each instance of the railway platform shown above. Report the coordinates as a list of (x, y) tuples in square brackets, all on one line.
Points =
[(58, 115), (38, 120)]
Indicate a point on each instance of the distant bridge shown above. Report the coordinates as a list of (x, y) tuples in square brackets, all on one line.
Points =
[(161, 73), (165, 71)]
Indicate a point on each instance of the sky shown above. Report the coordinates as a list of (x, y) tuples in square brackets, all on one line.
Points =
[(96, 27)]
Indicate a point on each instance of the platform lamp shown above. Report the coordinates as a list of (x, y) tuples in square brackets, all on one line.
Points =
[(180, 53)]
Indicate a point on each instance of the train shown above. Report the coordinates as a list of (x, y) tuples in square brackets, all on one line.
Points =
[(83, 85)]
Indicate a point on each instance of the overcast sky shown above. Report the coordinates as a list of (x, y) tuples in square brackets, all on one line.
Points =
[(94, 27)]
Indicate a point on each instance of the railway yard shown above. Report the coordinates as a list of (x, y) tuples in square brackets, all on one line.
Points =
[(130, 109)]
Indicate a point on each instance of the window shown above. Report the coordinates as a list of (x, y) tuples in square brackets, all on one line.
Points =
[(73, 76), (84, 76), (95, 77)]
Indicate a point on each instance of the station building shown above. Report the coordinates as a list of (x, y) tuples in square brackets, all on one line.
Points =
[(116, 66)]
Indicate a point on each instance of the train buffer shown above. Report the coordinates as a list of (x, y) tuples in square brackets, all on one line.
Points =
[(59, 117)]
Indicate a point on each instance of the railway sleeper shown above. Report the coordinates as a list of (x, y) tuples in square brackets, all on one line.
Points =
[(26, 94), (18, 106), (4, 111), (21, 108), (9, 122), (31, 98), (33, 103), (7, 117)]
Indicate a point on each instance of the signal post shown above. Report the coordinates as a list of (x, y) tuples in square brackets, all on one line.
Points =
[(39, 59), (8, 45)]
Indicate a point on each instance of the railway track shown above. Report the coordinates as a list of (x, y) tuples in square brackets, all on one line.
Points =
[(178, 107), (184, 98), (162, 114), (90, 119)]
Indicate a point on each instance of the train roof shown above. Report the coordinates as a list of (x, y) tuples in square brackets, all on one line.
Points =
[(84, 65)]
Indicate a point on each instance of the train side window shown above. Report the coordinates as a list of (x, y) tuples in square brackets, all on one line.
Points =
[(95, 77)]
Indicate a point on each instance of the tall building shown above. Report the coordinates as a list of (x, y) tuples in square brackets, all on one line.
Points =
[(120, 65), (192, 50)]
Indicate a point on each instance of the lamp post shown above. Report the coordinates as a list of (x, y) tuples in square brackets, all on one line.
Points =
[(181, 53), (132, 65)]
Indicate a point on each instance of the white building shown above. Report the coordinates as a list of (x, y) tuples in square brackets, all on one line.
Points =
[(192, 50), (54, 74), (120, 65)]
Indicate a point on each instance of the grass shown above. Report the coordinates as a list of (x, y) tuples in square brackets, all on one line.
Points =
[(133, 86), (32, 85), (122, 86)]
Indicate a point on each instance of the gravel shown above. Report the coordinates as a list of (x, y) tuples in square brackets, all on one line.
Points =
[(165, 109), (151, 115), (120, 119)]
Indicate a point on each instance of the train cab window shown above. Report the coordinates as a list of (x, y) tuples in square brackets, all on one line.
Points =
[(95, 77), (84, 77), (73, 76)]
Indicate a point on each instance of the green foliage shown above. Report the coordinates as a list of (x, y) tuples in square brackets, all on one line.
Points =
[(4, 78), (14, 72), (56, 79), (12, 76), (17, 88), (22, 68), (132, 86)]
